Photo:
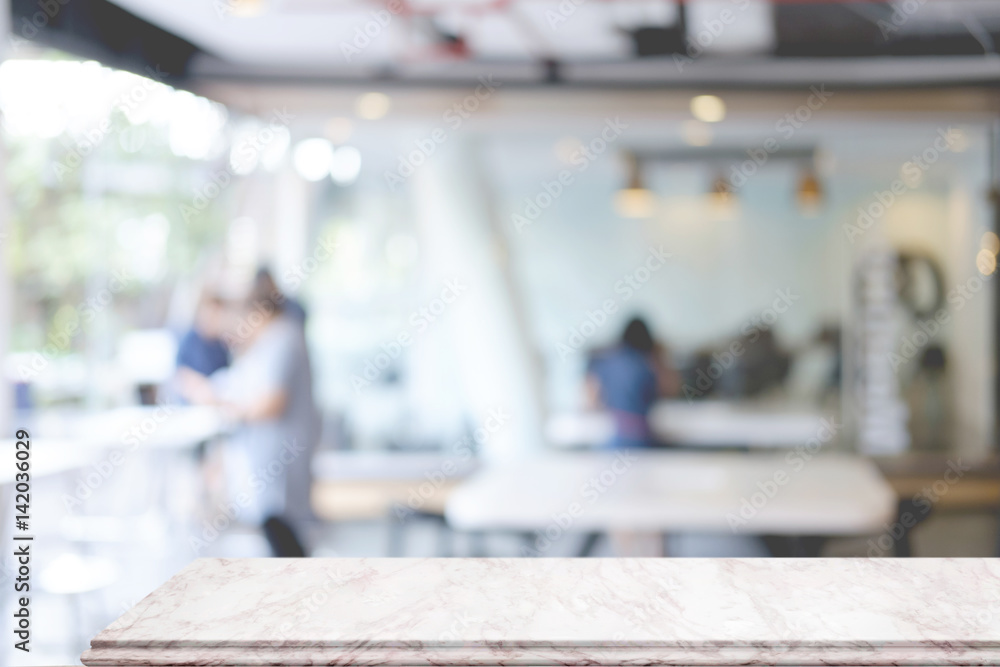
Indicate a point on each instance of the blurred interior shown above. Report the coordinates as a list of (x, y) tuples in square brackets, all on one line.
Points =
[(470, 201)]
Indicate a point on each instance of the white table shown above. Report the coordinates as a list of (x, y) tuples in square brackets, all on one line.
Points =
[(165, 427), (398, 485), (698, 424), (555, 611), (49, 456), (662, 491), (337, 465), (162, 438)]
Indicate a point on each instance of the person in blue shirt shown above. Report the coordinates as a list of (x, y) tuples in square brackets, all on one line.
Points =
[(202, 351), (626, 380)]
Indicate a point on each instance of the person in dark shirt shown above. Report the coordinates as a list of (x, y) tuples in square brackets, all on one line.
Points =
[(200, 354), (201, 351), (626, 380)]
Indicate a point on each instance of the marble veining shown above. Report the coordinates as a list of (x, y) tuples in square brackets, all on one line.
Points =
[(552, 611)]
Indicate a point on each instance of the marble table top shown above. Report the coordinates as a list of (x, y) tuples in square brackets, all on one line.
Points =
[(785, 493), (491, 612)]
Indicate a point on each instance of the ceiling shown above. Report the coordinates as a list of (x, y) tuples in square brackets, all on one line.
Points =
[(604, 43)]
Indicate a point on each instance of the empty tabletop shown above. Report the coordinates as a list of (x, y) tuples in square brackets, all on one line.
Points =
[(491, 612), (791, 493)]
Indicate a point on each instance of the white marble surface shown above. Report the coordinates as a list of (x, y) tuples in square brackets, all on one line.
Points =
[(663, 491), (565, 612)]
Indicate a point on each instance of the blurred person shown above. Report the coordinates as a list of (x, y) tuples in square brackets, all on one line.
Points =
[(627, 379), (264, 284), (830, 338), (765, 364), (267, 390), (201, 351)]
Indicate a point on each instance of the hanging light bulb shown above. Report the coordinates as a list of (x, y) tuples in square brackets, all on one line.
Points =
[(809, 194), (634, 200), (708, 108)]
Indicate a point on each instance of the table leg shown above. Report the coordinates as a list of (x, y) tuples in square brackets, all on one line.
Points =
[(794, 546), (909, 516), (998, 536), (477, 544), (590, 541), (444, 538), (394, 538)]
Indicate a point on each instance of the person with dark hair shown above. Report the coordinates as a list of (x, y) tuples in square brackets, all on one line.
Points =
[(626, 380), (267, 291), (637, 336)]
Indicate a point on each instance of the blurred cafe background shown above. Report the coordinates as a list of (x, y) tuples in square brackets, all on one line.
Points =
[(505, 278)]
